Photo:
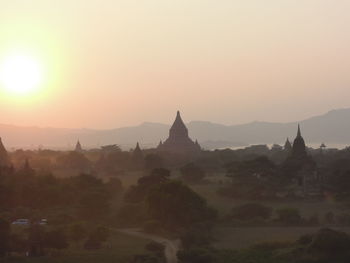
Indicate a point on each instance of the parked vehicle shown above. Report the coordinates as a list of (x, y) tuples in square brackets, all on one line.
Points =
[(23, 222)]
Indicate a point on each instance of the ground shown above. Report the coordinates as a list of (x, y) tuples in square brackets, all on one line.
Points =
[(120, 248), (243, 237), (234, 237)]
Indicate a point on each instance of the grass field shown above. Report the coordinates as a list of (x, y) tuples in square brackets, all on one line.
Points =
[(306, 207), (243, 237), (120, 248), (224, 205)]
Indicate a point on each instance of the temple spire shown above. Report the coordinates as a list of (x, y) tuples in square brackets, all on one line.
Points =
[(299, 148), (299, 133), (287, 145), (178, 140), (78, 147), (137, 154), (4, 158)]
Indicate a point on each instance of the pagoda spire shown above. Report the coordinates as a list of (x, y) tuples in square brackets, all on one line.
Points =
[(4, 158), (137, 154), (287, 145), (78, 147), (299, 148), (299, 133)]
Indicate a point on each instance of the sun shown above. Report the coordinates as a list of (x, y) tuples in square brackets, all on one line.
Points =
[(20, 74)]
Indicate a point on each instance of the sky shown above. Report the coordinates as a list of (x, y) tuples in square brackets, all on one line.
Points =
[(114, 63)]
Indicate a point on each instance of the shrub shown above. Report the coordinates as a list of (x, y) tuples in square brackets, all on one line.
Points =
[(251, 211), (197, 255), (343, 219), (130, 215), (156, 248), (152, 226), (192, 173), (92, 244), (330, 244), (329, 218), (272, 245), (289, 215), (305, 239), (56, 239)]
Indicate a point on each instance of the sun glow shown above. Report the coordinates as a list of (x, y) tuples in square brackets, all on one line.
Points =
[(21, 74)]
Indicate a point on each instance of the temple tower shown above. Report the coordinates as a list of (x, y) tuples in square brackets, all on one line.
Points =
[(178, 140), (299, 148)]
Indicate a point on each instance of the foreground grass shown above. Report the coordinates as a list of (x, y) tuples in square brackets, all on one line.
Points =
[(120, 248), (244, 237)]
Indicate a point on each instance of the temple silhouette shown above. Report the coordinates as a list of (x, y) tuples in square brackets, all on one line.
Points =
[(178, 140), (4, 158), (299, 148)]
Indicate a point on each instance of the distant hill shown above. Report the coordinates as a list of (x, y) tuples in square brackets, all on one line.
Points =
[(331, 128)]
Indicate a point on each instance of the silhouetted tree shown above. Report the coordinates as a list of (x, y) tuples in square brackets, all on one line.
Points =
[(192, 173), (5, 231)]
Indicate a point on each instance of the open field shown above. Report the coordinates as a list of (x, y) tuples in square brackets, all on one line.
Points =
[(243, 237), (224, 205), (120, 248), (307, 207)]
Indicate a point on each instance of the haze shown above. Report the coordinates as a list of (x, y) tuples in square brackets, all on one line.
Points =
[(113, 63)]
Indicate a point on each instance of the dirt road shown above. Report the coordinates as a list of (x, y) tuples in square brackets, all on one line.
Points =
[(171, 246)]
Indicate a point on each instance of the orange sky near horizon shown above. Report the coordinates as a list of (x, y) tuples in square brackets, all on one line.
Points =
[(114, 63)]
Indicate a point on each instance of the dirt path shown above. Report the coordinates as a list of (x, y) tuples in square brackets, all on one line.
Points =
[(171, 246)]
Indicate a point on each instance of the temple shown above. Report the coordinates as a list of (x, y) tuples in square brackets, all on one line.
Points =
[(287, 146), (78, 147), (299, 148), (137, 153), (4, 158), (179, 141)]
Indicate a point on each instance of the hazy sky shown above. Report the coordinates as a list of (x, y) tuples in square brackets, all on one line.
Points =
[(110, 63)]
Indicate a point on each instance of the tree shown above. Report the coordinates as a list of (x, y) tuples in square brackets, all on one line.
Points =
[(138, 193), (289, 215), (176, 205), (260, 167), (77, 232), (5, 232), (251, 211), (56, 239), (36, 240), (330, 244), (153, 161), (94, 206), (96, 238), (192, 173)]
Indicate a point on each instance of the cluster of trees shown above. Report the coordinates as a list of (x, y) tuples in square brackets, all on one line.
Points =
[(326, 245), (38, 240), (45, 196), (165, 203)]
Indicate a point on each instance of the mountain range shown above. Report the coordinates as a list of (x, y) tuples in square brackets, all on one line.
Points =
[(332, 128)]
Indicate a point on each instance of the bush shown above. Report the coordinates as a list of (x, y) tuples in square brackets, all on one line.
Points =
[(197, 255), (56, 239), (343, 219), (156, 248), (305, 239), (198, 235), (130, 215), (192, 174), (329, 218), (77, 232), (92, 244), (329, 243), (289, 215), (251, 211), (272, 245), (152, 226)]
